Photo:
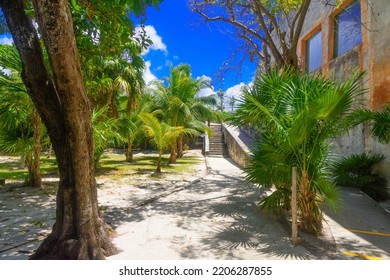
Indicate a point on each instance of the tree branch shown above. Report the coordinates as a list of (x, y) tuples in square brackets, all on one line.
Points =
[(270, 41), (233, 23)]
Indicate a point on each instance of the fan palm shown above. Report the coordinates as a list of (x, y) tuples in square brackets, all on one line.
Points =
[(379, 121), (20, 124), (108, 79), (297, 115)]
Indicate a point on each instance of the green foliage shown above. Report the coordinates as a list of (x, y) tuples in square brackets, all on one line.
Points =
[(379, 122), (139, 6), (296, 115), (276, 6), (16, 108), (161, 134), (130, 125), (178, 99), (357, 170), (105, 131), (105, 27)]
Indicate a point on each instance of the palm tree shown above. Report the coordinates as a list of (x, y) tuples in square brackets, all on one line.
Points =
[(108, 79), (130, 124), (297, 115), (20, 124), (161, 134), (105, 131), (379, 122), (181, 105)]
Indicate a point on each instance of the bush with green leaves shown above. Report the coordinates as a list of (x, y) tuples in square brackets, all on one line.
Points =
[(378, 121), (357, 170), (296, 114)]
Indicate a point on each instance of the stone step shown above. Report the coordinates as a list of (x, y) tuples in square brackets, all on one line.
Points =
[(221, 148), (217, 146)]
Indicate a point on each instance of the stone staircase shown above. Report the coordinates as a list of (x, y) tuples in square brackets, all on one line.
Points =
[(217, 146)]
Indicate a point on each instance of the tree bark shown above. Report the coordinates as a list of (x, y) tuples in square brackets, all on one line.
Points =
[(172, 157), (34, 173), (79, 231), (180, 147), (269, 32), (49, 151), (158, 169), (310, 216), (129, 151)]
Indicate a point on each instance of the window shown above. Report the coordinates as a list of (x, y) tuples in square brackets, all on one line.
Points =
[(348, 32), (314, 52)]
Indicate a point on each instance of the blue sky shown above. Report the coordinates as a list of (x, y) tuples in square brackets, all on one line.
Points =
[(183, 37)]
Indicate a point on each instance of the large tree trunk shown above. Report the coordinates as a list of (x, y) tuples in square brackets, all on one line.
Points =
[(79, 231), (34, 174)]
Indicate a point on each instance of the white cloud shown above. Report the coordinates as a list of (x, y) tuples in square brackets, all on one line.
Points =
[(232, 96), (151, 33), (205, 91), (6, 41), (148, 75), (205, 78)]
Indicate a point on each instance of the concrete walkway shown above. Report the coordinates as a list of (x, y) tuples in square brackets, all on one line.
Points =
[(362, 228), (214, 218)]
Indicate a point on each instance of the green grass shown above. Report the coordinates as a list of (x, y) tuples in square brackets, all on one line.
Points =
[(115, 164), (111, 164), (12, 171)]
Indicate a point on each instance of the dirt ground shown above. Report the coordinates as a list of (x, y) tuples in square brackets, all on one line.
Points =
[(27, 214)]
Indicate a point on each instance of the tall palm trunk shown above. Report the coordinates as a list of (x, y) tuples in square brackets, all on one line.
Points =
[(49, 151), (158, 169), (180, 147), (111, 104), (173, 157), (129, 151), (310, 215), (22, 161)]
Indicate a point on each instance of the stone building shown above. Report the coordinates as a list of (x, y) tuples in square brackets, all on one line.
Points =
[(339, 39)]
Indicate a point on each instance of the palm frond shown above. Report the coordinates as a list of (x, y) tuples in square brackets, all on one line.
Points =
[(379, 122)]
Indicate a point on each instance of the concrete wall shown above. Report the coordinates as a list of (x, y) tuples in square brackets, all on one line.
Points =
[(377, 62), (371, 56), (238, 151)]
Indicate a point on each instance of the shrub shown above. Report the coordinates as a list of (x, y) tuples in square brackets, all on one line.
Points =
[(296, 114), (357, 170)]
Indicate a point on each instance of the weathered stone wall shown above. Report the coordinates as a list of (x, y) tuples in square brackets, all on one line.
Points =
[(371, 56), (238, 151), (376, 59), (340, 68)]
